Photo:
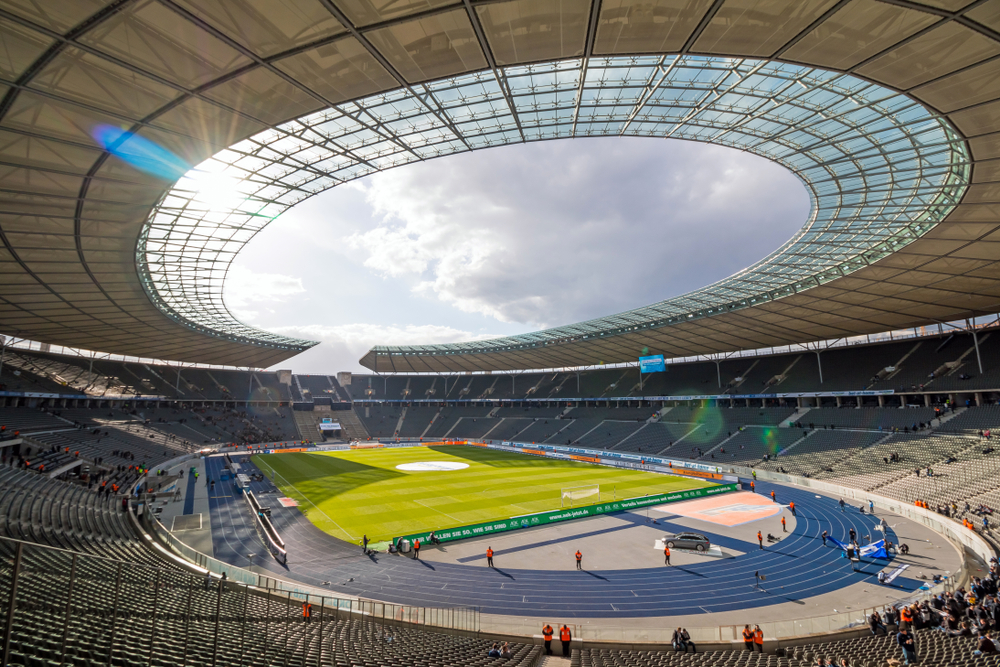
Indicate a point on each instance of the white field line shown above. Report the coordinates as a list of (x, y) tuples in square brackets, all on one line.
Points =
[(438, 511)]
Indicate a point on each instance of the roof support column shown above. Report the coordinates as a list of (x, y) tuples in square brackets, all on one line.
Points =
[(975, 340)]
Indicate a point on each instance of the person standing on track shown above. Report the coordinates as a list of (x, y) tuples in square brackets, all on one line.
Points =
[(416, 549), (666, 555), (783, 529), (772, 494), (547, 635), (579, 560), (489, 556), (791, 506), (824, 536), (565, 636), (842, 504), (753, 487), (760, 539), (364, 544), (748, 637)]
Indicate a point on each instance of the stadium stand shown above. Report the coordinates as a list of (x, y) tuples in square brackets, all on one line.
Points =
[(893, 458), (126, 614), (28, 420), (933, 648), (866, 418), (975, 418), (750, 445), (450, 416), (574, 430), (507, 428), (608, 434), (820, 450), (541, 429), (380, 420)]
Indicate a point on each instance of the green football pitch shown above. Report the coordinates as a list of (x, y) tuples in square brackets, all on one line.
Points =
[(361, 492)]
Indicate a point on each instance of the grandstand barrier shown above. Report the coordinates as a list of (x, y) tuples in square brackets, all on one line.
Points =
[(557, 516), (265, 529), (605, 399)]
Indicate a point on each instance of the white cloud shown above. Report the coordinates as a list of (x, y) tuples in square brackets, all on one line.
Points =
[(508, 240), (547, 234), (246, 290)]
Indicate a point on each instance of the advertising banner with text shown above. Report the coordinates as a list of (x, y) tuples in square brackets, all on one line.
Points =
[(556, 516)]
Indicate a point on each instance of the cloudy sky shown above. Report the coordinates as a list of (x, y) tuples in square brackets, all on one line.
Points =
[(509, 240)]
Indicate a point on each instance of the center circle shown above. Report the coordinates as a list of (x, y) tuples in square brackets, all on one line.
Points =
[(431, 466)]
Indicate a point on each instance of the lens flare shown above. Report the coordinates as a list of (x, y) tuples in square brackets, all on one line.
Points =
[(710, 425), (145, 155)]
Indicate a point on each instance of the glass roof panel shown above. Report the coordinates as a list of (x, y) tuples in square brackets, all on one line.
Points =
[(881, 170)]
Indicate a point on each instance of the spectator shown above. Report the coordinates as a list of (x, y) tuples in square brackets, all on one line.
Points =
[(678, 641), (494, 651), (875, 623), (505, 650), (985, 645), (909, 646)]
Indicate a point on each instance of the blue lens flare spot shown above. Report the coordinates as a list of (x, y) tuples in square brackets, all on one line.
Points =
[(145, 155)]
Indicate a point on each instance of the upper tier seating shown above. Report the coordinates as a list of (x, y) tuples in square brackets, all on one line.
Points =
[(985, 418), (867, 418)]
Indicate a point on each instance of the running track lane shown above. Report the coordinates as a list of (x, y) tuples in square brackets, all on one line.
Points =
[(797, 568)]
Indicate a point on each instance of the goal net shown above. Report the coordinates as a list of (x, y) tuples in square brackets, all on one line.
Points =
[(575, 494)]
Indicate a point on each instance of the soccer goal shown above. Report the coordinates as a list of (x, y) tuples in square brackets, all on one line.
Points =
[(574, 494)]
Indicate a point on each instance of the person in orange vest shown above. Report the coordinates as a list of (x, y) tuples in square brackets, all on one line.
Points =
[(758, 638), (579, 560), (416, 549), (564, 638), (547, 635), (666, 555), (748, 637), (783, 529), (489, 556), (753, 487), (772, 494), (905, 618), (791, 506), (760, 539), (307, 610)]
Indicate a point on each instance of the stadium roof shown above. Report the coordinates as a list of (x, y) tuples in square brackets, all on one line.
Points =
[(889, 111)]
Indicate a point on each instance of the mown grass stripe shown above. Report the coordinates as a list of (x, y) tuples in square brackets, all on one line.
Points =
[(363, 492)]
